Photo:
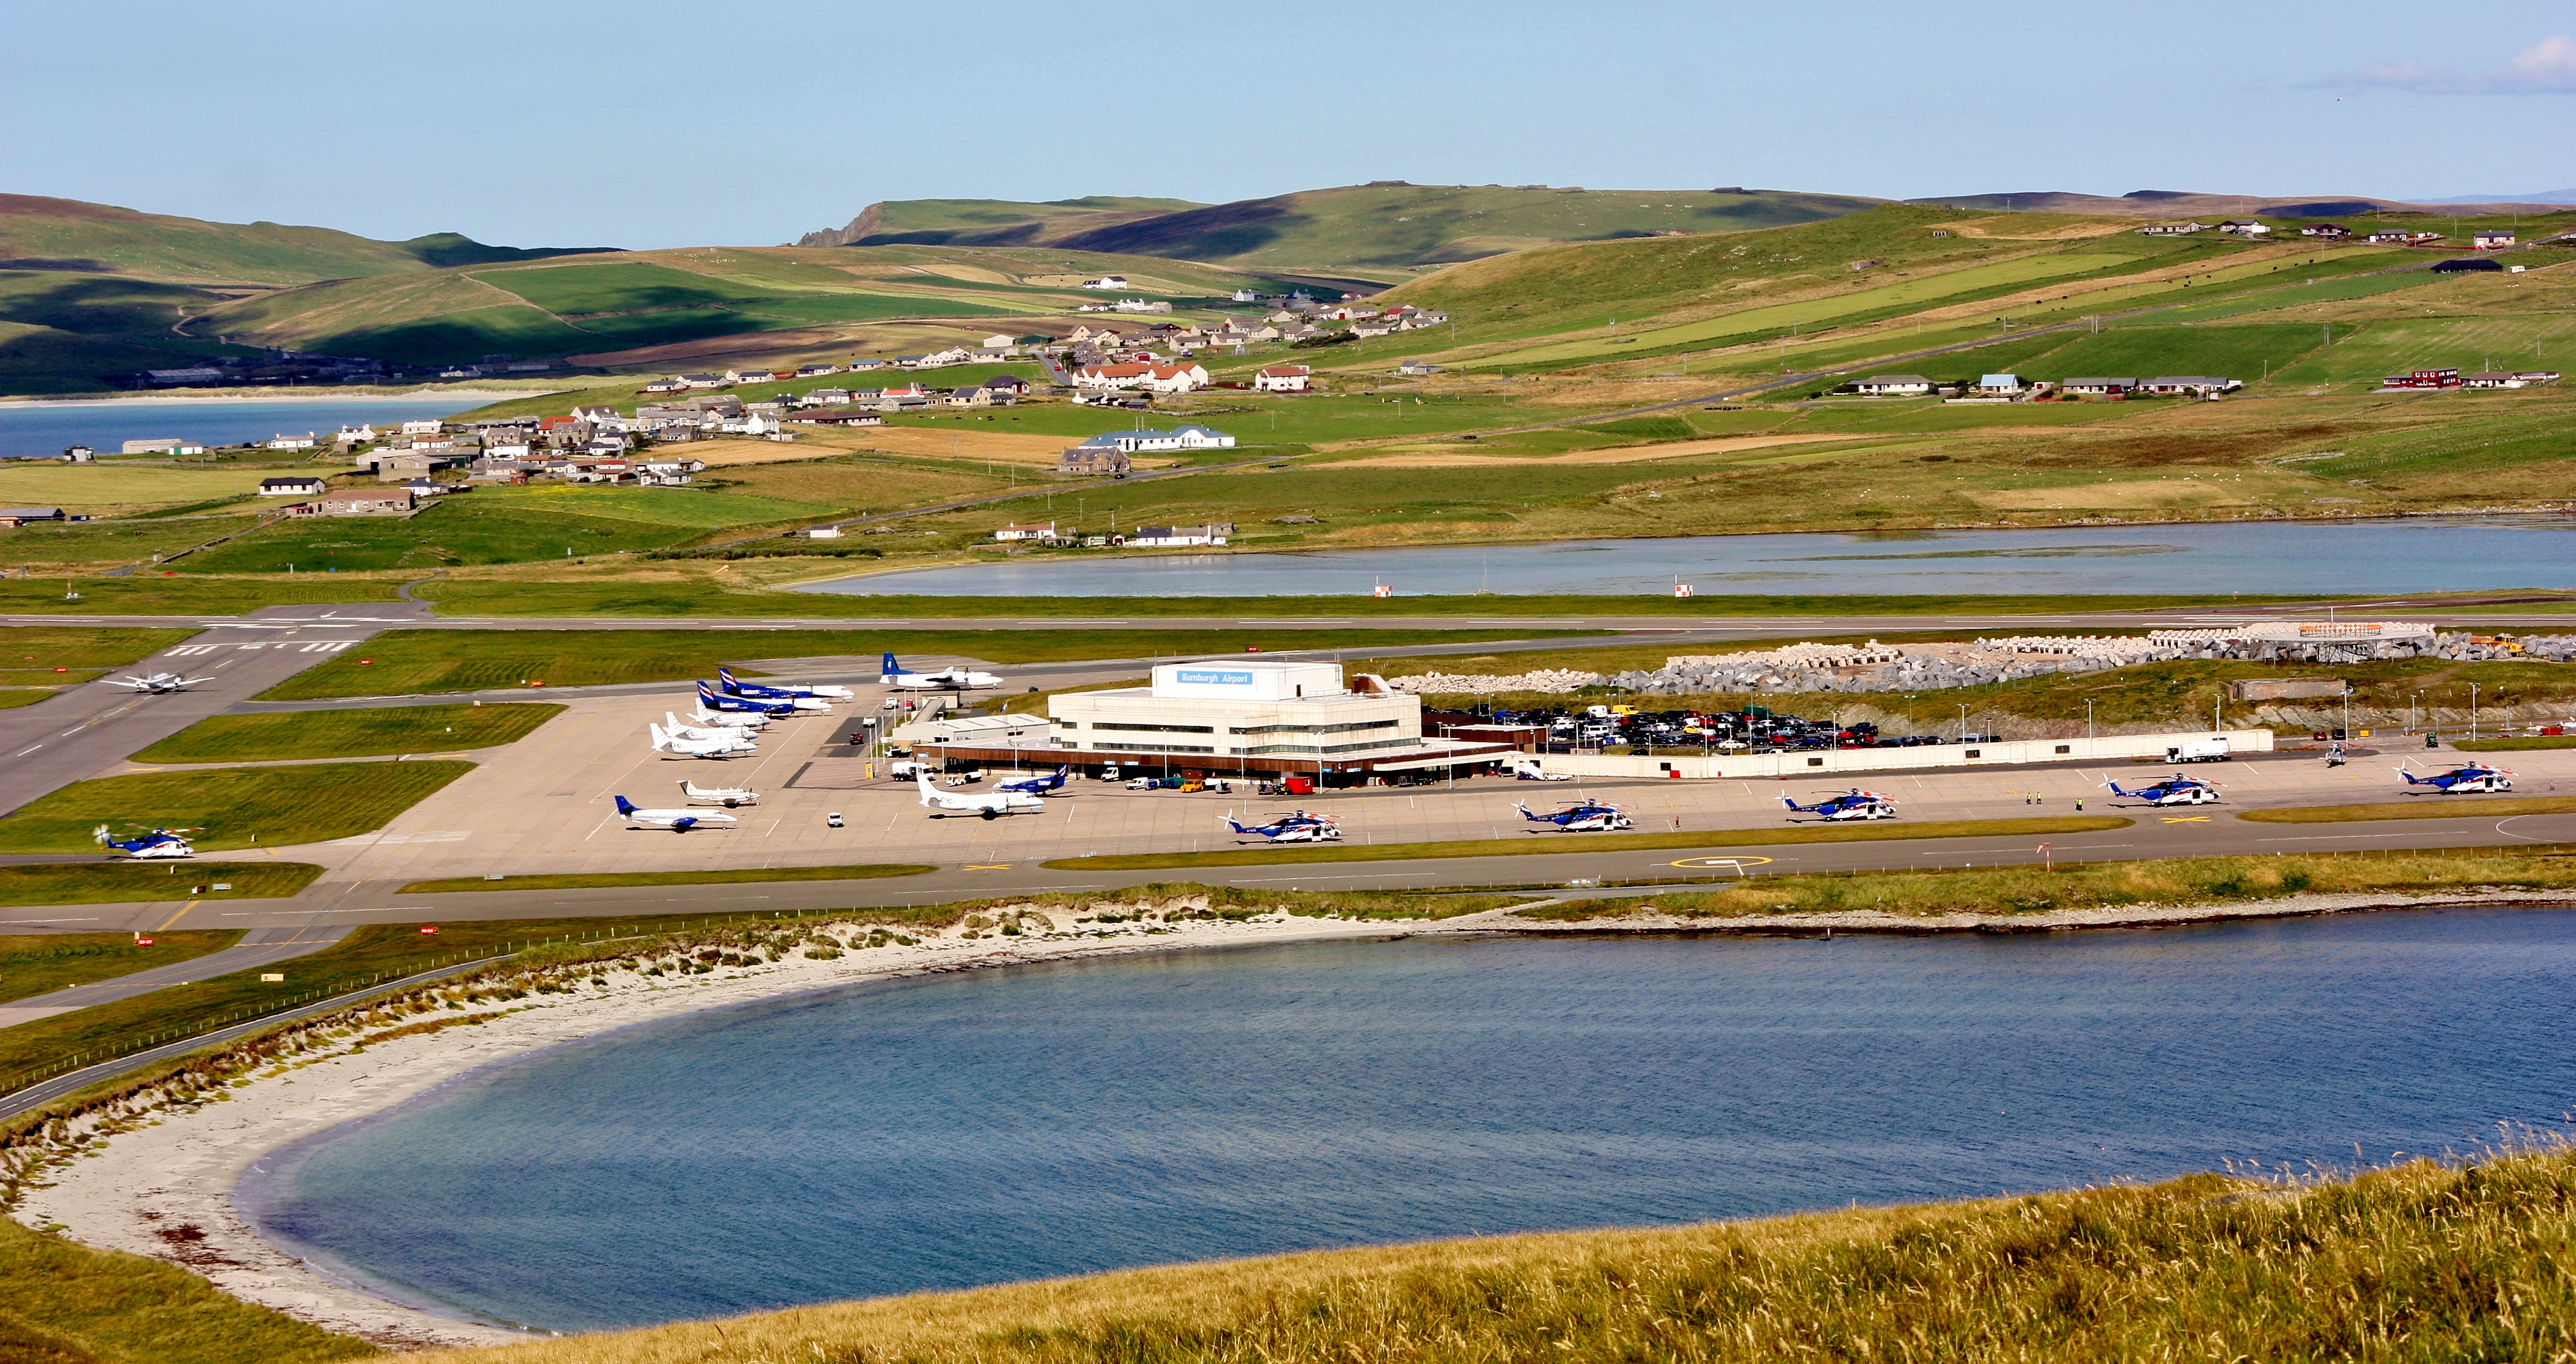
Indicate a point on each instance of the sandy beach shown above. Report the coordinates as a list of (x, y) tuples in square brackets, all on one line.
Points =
[(166, 1188)]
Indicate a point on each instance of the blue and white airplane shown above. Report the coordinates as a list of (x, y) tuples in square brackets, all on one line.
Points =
[(2469, 776), (1579, 817), (1853, 804), (1041, 786), (892, 674), (157, 844), (794, 691), (1296, 826), (677, 821), (709, 700), (2174, 790)]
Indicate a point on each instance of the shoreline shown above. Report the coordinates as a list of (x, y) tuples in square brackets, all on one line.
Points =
[(141, 1188), (8, 403), (172, 1190)]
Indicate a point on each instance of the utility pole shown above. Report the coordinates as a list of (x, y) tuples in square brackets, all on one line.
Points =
[(2473, 712), (2088, 724)]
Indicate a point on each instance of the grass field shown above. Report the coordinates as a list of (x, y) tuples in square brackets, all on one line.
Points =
[(64, 1303), (40, 963), (101, 489), (2429, 1260), (363, 733), (2423, 807), (29, 654), (103, 544), (497, 526), (2515, 744), (176, 596), (83, 883), (234, 808), (405, 662), (1552, 842), (593, 880)]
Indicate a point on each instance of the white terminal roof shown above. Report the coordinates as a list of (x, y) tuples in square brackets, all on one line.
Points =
[(1229, 680)]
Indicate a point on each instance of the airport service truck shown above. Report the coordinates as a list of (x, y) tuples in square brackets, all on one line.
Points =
[(2209, 750)]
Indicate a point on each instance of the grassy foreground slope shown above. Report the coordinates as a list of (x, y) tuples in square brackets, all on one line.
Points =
[(67, 234), (2422, 1261)]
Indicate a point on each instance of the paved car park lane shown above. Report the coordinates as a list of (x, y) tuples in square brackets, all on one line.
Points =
[(88, 729)]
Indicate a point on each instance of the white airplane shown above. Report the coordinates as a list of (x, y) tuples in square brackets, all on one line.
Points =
[(664, 741), (740, 734), (892, 674), (726, 796), (155, 684), (986, 805), (784, 691), (722, 719), (677, 821)]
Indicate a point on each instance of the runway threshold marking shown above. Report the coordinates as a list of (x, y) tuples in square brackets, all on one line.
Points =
[(986, 866), (183, 913), (1719, 862), (2186, 819)]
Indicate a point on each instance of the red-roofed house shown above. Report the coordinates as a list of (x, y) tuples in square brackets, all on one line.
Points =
[(1283, 379), (1109, 377)]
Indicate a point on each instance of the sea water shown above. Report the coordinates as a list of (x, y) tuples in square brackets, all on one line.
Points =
[(2426, 554), (43, 430), (1010, 1124)]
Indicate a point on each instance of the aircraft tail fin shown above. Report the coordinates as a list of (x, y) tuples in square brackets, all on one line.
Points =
[(625, 806), (887, 667), (1791, 803), (922, 779)]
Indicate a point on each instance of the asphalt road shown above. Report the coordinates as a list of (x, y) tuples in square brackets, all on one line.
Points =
[(82, 730), (2184, 832)]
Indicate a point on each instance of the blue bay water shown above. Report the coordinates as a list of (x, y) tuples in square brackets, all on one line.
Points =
[(1012, 1124), (2425, 554), (44, 429)]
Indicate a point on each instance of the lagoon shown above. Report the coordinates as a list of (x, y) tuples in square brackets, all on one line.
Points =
[(1009, 1124), (40, 430), (2427, 554)]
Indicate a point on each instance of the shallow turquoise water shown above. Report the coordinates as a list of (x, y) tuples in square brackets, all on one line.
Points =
[(1003, 1125)]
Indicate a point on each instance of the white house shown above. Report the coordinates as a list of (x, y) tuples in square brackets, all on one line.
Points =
[(1180, 378), (1015, 532), (302, 442), (1999, 383), (1179, 537), (1108, 378), (1894, 386), (1283, 379), (1192, 437), (671, 385), (816, 371), (2244, 227), (424, 428), (293, 485), (2107, 387), (1112, 283), (2172, 229), (702, 381), (354, 435), (2492, 241), (1000, 342)]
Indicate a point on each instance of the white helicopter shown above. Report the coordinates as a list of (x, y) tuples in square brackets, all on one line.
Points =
[(664, 741), (726, 796), (987, 805), (677, 821), (156, 684)]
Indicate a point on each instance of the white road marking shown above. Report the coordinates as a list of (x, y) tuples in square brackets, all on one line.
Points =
[(25, 751)]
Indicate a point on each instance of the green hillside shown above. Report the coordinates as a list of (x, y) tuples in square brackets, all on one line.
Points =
[(66, 234), (1399, 225), (986, 222)]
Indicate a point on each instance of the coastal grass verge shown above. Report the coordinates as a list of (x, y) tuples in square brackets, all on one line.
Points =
[(410, 662), (63, 1303), (231, 808), (586, 880), (2005, 892), (2515, 745), (360, 733), (40, 963), (1582, 843), (120, 883), (2426, 807), (2457, 1258)]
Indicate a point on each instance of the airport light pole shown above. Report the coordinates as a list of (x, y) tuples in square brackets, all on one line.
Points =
[(2473, 712), (2088, 724), (1963, 724)]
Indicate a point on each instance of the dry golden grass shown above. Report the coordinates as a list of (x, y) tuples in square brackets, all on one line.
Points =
[(2123, 495), (2424, 1261), (965, 440), (2016, 227)]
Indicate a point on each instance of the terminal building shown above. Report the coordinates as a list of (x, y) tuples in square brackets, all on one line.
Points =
[(1249, 719)]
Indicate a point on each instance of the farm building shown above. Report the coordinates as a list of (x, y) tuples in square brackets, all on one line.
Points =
[(2492, 241), (2465, 265), (2109, 388), (292, 485), (1283, 379), (1893, 386), (2423, 379)]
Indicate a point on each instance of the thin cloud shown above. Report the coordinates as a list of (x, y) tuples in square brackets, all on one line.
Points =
[(2548, 67)]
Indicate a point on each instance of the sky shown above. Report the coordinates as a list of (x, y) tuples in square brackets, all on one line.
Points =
[(649, 123)]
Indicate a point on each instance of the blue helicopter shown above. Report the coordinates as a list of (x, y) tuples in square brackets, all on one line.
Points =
[(1579, 817), (1296, 826), (154, 845), (708, 699), (2174, 790), (2467, 777), (1853, 804), (1040, 786)]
